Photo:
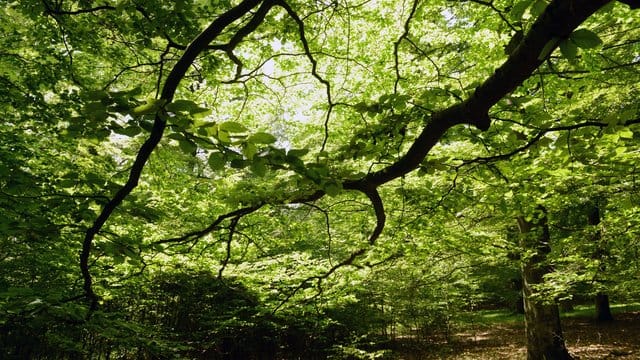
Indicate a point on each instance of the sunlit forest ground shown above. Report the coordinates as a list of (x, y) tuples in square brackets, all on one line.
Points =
[(500, 335)]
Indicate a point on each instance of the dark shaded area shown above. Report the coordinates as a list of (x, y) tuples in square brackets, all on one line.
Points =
[(194, 316)]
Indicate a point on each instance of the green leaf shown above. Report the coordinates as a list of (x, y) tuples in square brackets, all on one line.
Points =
[(131, 131), (518, 9), (625, 133), (538, 7), (361, 107), (150, 107), (238, 163), (297, 152), (201, 113), (97, 95), (118, 259), (181, 121), (100, 134), (146, 125), (627, 114), (96, 111), (249, 150), (616, 118), (204, 143), (223, 136), (187, 147), (585, 39), (176, 136), (258, 166), (399, 102), (332, 188), (216, 161), (181, 106), (607, 8), (232, 127), (185, 106), (568, 49), (261, 138)]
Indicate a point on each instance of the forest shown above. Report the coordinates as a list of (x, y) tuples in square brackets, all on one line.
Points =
[(319, 179)]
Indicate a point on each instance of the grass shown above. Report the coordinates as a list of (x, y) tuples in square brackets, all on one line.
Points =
[(489, 317), (586, 311)]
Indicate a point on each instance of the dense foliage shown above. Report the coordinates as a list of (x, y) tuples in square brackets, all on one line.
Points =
[(282, 179)]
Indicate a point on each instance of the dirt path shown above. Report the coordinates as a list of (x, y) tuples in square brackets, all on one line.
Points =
[(585, 339)]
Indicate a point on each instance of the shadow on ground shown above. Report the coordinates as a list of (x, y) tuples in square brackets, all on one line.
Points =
[(585, 339)]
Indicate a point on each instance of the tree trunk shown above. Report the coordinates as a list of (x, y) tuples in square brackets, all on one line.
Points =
[(603, 310), (566, 306), (519, 303), (542, 321), (519, 306)]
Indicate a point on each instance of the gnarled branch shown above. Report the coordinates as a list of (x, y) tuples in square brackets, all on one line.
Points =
[(198, 45)]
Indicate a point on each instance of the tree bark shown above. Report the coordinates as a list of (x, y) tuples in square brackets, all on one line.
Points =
[(518, 304), (603, 310), (542, 321)]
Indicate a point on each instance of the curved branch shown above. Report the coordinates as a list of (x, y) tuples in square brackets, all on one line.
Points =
[(327, 222), (197, 235), (378, 207), (396, 45), (232, 231), (559, 19), (537, 137), (251, 26), (381, 217), (198, 45), (314, 66)]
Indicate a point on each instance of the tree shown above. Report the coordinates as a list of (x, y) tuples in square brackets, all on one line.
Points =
[(603, 310), (544, 332), (125, 86)]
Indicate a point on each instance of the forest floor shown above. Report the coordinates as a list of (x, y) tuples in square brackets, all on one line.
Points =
[(585, 339)]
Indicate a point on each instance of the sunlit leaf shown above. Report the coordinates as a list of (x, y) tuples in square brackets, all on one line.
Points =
[(261, 138), (151, 106), (249, 150), (185, 106), (232, 127)]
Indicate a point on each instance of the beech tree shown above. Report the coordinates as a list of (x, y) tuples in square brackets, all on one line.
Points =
[(142, 135)]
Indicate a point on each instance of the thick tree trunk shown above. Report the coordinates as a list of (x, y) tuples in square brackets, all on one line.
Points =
[(542, 321), (603, 310)]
